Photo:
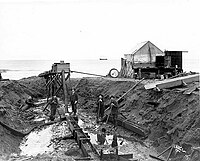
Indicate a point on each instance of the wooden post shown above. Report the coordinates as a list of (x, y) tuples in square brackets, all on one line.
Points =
[(133, 72), (64, 90), (53, 89), (70, 87), (140, 73), (48, 90), (158, 73)]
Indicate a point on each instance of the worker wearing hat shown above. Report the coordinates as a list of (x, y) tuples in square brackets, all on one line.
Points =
[(74, 101), (54, 106), (100, 107), (114, 109)]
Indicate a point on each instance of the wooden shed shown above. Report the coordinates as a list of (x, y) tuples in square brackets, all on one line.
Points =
[(144, 55), (148, 61)]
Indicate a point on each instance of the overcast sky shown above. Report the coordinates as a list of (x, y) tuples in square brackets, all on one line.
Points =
[(82, 29)]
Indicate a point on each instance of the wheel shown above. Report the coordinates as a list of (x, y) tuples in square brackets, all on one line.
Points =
[(114, 73)]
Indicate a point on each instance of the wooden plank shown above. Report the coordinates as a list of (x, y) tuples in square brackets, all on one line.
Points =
[(134, 128), (87, 73), (50, 81), (135, 85), (83, 149), (168, 83), (84, 142), (130, 126), (21, 133), (81, 138), (127, 156), (12, 130), (83, 158), (154, 157), (4, 80), (123, 157), (190, 90)]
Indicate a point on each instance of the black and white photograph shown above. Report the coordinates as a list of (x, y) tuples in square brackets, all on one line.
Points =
[(101, 80)]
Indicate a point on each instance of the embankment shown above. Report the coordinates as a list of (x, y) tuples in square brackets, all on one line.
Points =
[(12, 96), (169, 115)]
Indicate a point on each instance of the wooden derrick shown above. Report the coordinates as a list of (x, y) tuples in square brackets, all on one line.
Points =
[(56, 80)]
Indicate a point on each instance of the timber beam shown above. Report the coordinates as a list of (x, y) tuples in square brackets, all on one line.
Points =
[(136, 128), (82, 139), (169, 83), (87, 148)]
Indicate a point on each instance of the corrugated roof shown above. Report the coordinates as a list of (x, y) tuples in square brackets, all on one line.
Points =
[(137, 47)]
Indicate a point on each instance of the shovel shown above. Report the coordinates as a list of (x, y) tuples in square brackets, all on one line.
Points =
[(98, 113), (109, 115)]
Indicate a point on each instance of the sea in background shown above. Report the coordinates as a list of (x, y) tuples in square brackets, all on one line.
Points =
[(18, 69)]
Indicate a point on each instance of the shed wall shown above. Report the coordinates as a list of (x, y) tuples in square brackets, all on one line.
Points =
[(147, 54)]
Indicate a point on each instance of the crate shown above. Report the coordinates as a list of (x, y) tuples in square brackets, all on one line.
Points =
[(58, 67)]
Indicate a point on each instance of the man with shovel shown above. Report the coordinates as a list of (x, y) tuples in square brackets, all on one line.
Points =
[(114, 110), (54, 105), (74, 101), (100, 108)]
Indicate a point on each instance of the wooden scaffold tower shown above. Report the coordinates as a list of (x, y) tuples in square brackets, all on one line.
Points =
[(56, 80)]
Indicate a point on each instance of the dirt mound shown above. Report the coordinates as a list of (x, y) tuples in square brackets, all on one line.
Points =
[(12, 95), (170, 115)]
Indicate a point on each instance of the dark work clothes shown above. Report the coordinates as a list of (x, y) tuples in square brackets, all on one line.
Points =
[(114, 107), (29, 102), (114, 142), (74, 108), (54, 106), (114, 111), (101, 138), (100, 108), (73, 99)]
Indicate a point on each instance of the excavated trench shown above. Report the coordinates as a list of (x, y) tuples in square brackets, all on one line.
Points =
[(168, 115), (127, 143), (56, 140)]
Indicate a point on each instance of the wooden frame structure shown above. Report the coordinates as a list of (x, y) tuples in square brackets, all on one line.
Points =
[(56, 80), (148, 61), (90, 152)]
